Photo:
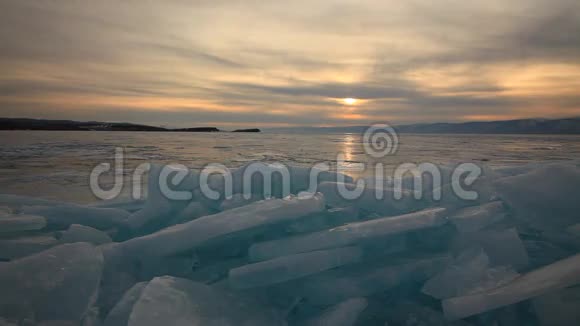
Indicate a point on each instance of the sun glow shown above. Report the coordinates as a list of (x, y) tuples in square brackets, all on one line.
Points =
[(349, 101)]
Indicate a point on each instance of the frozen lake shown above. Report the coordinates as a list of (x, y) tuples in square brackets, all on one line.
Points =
[(56, 164)]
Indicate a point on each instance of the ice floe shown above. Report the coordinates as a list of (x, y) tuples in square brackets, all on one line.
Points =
[(300, 255)]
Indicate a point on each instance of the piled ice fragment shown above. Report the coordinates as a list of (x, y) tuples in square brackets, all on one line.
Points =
[(311, 257)]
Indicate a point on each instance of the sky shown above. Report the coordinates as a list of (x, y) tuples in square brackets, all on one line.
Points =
[(179, 63)]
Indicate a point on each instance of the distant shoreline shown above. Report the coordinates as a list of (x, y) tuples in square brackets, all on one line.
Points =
[(569, 126), (70, 125)]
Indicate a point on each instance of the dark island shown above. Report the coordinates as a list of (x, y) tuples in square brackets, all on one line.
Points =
[(70, 125), (198, 129), (247, 130)]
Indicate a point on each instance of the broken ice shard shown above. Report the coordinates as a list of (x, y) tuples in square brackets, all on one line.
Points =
[(81, 233), (119, 315), (18, 201), (286, 268), (130, 205), (343, 314), (504, 247), (238, 200), (409, 313), (284, 179), (546, 197), (164, 198), (363, 279), (192, 234), (574, 230), (18, 223), (558, 308), (64, 215), (348, 234), (325, 220), (558, 275), (174, 301), (56, 284), (472, 219), (17, 247), (469, 273), (179, 266), (192, 211), (381, 201)]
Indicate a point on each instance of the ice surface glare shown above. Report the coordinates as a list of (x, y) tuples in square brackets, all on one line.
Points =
[(343, 314), (558, 275), (291, 267), (472, 219), (16, 223), (175, 301), (348, 234), (192, 234), (56, 284), (81, 233), (65, 215)]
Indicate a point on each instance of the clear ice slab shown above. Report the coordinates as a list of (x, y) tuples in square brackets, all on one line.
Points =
[(17, 223), (472, 219), (193, 234), (469, 273), (286, 268), (561, 274), (23, 246), (345, 313), (64, 215), (546, 197), (175, 301), (81, 233), (348, 234), (57, 284), (363, 279), (119, 315)]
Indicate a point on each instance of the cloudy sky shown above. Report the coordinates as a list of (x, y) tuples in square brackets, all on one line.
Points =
[(282, 63)]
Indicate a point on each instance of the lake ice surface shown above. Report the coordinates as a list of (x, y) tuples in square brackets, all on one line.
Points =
[(297, 260), (56, 165)]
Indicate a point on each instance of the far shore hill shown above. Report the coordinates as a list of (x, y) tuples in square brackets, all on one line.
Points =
[(569, 126), (566, 126), (69, 125)]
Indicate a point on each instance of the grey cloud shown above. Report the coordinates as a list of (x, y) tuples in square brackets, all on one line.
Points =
[(331, 90), (115, 49)]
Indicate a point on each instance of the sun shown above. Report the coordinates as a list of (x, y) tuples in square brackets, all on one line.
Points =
[(349, 101)]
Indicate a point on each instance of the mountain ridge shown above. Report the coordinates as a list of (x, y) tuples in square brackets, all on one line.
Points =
[(518, 126)]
